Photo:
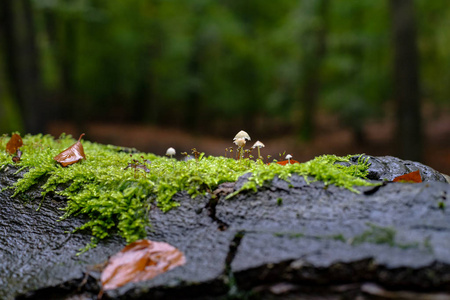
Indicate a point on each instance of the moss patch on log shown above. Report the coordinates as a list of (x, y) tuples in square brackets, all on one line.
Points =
[(117, 198)]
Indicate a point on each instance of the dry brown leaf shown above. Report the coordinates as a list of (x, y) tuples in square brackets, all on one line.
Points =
[(139, 261), (14, 143), (16, 158), (72, 154)]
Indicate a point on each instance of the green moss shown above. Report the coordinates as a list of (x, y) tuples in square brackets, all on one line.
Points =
[(322, 168), (380, 235), (118, 199), (376, 235), (339, 237), (279, 201)]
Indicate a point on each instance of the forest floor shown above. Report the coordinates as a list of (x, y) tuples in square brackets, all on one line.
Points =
[(331, 138)]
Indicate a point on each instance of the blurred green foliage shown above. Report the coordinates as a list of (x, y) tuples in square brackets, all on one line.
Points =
[(216, 62)]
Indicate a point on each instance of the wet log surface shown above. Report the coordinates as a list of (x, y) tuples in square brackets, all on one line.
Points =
[(290, 240)]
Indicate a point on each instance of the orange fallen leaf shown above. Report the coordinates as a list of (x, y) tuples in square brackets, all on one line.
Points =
[(139, 261), (409, 177), (285, 162), (72, 154), (14, 143)]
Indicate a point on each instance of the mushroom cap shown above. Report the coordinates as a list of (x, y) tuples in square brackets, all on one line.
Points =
[(170, 151), (258, 144), (288, 156), (242, 135), (240, 142)]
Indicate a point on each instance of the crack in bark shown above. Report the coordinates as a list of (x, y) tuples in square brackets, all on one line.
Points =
[(211, 207), (234, 246), (60, 245), (375, 188)]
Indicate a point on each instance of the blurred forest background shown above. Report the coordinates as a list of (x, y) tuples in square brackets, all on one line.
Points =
[(303, 76)]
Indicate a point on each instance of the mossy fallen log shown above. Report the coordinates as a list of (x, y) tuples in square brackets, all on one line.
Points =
[(293, 236)]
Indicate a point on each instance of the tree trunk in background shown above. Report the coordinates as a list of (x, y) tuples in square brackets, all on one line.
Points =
[(21, 57), (315, 54), (406, 80), (67, 60), (192, 105)]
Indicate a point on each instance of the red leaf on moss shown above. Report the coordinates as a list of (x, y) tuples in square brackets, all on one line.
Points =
[(139, 261), (14, 143), (409, 177), (285, 162), (72, 154)]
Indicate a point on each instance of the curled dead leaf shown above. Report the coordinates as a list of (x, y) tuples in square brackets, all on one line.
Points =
[(412, 177), (139, 261), (14, 143), (16, 158), (72, 154)]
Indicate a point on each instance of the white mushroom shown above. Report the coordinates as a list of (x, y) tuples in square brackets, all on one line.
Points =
[(242, 135), (240, 142), (258, 145), (170, 152), (288, 157)]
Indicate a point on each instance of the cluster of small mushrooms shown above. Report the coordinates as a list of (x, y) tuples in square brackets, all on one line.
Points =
[(240, 140)]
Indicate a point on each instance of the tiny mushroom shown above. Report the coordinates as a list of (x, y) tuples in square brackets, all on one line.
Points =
[(239, 140), (170, 152), (288, 157), (258, 145), (242, 135)]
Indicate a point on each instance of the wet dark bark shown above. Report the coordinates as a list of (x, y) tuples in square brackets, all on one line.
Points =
[(289, 240), (406, 80), (21, 59)]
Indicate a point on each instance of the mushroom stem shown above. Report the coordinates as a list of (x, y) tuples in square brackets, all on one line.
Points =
[(240, 142), (288, 157), (259, 145), (171, 152)]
